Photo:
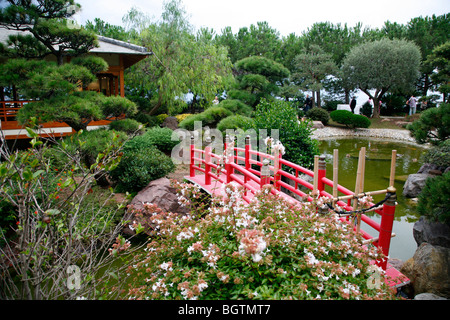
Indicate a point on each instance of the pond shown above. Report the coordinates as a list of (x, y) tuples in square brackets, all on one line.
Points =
[(377, 172)]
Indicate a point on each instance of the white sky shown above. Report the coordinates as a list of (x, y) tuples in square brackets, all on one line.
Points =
[(286, 16)]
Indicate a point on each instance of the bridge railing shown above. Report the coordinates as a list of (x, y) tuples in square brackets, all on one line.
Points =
[(256, 172)]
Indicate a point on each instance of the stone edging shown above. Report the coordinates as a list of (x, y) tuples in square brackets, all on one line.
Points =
[(394, 134)]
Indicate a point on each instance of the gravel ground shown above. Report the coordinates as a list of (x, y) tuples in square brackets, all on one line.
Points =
[(330, 132)]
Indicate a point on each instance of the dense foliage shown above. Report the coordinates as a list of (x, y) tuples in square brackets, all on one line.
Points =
[(268, 249), (60, 228), (433, 125), (318, 114), (438, 155), (434, 199), (293, 134)]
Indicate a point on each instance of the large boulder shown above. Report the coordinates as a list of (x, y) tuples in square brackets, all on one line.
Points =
[(160, 193), (429, 270), (434, 233), (170, 122), (414, 184)]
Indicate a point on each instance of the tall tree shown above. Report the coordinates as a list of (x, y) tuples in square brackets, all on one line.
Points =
[(335, 40), (439, 59), (258, 77), (180, 63), (428, 33), (312, 67), (383, 65), (47, 29), (44, 30)]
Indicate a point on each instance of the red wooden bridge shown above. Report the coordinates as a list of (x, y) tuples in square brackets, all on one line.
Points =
[(207, 172)]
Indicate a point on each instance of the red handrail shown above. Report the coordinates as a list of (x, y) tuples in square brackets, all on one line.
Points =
[(246, 175)]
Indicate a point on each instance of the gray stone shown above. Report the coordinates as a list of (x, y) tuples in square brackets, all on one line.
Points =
[(431, 169), (434, 233), (318, 125), (160, 193), (428, 296), (170, 122), (429, 270), (414, 184)]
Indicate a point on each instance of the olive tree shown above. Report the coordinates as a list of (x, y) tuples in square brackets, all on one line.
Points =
[(383, 65)]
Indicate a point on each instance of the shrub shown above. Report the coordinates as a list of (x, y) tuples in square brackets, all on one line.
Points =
[(295, 136), (360, 121), (146, 119), (439, 155), (89, 144), (318, 114), (188, 122), (349, 119), (367, 109), (235, 122), (161, 138), (139, 166), (433, 125), (161, 117), (434, 199), (129, 126), (236, 107), (268, 249), (181, 117), (209, 117)]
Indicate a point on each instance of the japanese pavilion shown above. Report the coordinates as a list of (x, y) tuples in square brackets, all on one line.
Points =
[(119, 55)]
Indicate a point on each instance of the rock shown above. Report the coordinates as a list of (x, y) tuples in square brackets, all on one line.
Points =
[(429, 270), (160, 193), (318, 125), (431, 169), (414, 184), (434, 233), (170, 122), (428, 296)]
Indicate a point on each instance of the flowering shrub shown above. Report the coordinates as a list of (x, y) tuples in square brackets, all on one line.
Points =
[(267, 249)]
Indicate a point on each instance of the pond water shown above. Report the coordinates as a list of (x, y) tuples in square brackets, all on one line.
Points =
[(377, 172)]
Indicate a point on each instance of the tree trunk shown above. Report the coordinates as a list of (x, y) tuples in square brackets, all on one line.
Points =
[(318, 99), (347, 96)]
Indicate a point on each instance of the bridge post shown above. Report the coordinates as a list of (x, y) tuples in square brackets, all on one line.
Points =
[(247, 156), (322, 173), (191, 164), (387, 221), (277, 166), (208, 161), (229, 158), (265, 173)]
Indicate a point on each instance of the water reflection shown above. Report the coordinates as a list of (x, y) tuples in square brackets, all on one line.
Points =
[(377, 172)]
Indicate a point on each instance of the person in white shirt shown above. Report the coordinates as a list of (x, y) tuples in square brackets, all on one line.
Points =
[(412, 102)]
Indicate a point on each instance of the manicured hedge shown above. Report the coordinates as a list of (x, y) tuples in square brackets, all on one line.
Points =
[(349, 119)]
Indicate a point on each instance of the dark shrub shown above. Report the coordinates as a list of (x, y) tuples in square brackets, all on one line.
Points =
[(359, 121), (161, 138), (138, 167), (439, 155), (318, 114), (349, 119), (209, 117), (434, 199), (129, 126), (237, 107), (342, 117)]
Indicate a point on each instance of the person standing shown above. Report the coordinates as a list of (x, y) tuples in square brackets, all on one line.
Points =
[(353, 105), (412, 102), (308, 103)]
